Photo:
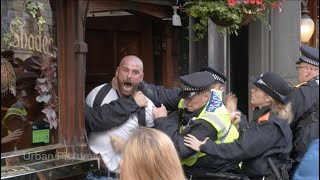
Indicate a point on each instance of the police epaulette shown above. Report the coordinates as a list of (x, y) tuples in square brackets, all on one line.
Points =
[(298, 85)]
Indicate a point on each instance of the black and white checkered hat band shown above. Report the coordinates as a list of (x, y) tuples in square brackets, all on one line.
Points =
[(309, 60), (218, 78), (192, 89), (260, 81)]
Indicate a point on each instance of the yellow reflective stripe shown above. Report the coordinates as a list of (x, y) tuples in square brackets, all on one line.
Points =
[(233, 135), (181, 128), (214, 119), (223, 138), (182, 104), (298, 85), (13, 111), (191, 160)]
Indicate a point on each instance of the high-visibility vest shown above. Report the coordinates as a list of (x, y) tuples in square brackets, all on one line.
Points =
[(13, 110), (216, 114)]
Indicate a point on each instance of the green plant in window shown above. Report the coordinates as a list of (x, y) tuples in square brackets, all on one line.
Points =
[(16, 24), (34, 9)]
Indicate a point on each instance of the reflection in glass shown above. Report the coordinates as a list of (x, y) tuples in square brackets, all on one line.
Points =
[(29, 108)]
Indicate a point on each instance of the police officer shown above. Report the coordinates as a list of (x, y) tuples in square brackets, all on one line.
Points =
[(205, 116), (305, 103), (170, 97), (230, 100), (220, 78), (265, 147), (218, 84)]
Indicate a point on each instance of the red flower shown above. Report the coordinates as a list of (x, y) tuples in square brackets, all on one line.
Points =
[(231, 2), (252, 1), (246, 1), (264, 6), (258, 2), (273, 5)]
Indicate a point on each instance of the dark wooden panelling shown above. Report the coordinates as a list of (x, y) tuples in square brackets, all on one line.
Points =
[(72, 75), (110, 39)]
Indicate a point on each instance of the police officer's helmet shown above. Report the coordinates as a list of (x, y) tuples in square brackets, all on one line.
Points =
[(309, 55), (195, 83), (274, 85)]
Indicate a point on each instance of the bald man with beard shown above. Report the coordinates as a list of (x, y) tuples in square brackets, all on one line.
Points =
[(121, 111)]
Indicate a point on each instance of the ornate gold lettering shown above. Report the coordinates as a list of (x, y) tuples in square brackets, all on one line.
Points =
[(44, 44), (31, 42), (15, 37), (24, 38), (50, 43), (37, 41)]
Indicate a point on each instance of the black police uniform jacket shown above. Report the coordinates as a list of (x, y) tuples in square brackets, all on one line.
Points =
[(110, 115), (199, 128), (159, 95), (118, 112), (269, 138), (305, 101)]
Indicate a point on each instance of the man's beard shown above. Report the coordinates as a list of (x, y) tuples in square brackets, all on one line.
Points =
[(125, 85)]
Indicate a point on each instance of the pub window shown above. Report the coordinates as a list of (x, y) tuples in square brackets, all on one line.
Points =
[(29, 72)]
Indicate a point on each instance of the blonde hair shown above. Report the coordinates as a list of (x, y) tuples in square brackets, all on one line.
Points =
[(150, 154), (283, 111)]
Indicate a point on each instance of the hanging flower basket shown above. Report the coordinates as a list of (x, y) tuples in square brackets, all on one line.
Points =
[(221, 22), (228, 15), (225, 22), (246, 18)]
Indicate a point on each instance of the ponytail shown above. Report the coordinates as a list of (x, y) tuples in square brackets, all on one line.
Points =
[(283, 111)]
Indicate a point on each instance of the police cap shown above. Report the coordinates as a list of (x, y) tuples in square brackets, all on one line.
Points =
[(309, 55), (195, 82), (217, 75), (274, 85)]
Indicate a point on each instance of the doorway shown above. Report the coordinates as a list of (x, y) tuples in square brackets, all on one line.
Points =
[(239, 59), (109, 39)]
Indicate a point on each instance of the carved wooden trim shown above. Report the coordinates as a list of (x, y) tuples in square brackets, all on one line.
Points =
[(115, 5)]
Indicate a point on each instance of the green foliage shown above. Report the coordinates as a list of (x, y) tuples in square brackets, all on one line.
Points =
[(34, 8), (17, 25)]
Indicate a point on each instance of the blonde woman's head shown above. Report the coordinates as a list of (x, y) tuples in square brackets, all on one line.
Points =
[(150, 154), (271, 90)]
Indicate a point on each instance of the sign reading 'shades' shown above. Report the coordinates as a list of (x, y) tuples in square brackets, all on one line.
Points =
[(34, 42)]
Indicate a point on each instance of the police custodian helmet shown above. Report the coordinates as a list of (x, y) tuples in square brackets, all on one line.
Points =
[(195, 82), (274, 85), (309, 55)]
